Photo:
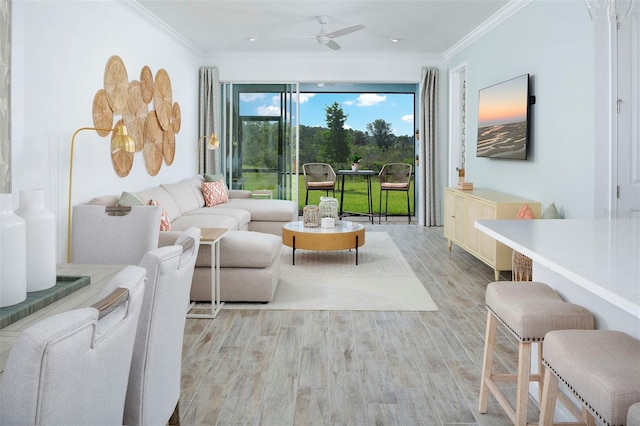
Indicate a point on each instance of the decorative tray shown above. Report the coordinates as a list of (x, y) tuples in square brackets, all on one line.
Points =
[(35, 300)]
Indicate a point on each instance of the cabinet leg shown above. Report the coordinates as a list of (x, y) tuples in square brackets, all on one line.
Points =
[(450, 244), (496, 274)]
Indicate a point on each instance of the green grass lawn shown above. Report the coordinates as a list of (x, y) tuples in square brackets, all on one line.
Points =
[(355, 194)]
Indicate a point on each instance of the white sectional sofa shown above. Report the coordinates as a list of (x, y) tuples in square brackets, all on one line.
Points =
[(249, 251)]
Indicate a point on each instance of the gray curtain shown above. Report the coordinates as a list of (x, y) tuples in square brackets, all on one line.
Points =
[(5, 98), (429, 173), (209, 118)]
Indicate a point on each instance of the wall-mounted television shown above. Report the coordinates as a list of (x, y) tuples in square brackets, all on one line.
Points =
[(503, 119)]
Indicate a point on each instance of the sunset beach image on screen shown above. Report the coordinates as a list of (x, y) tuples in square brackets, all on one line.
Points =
[(503, 111)]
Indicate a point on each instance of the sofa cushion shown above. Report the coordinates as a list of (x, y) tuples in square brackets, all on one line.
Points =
[(207, 221), (165, 199), (184, 195), (266, 210), (214, 193), (243, 217), (234, 247)]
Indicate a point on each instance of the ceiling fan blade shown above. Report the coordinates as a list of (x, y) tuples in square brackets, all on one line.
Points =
[(332, 45), (345, 31)]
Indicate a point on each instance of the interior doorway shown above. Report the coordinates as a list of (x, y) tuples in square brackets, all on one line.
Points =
[(628, 115)]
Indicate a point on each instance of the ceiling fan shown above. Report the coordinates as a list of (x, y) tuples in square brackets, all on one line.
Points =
[(327, 38)]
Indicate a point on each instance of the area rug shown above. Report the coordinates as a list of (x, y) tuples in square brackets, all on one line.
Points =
[(382, 281)]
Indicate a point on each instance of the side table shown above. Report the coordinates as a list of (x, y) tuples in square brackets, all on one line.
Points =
[(211, 236)]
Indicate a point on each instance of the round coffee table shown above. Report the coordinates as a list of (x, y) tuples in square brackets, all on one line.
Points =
[(345, 235)]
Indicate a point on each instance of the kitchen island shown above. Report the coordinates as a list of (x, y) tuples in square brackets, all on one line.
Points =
[(591, 262)]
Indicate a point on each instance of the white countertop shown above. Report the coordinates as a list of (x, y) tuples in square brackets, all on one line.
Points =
[(601, 255)]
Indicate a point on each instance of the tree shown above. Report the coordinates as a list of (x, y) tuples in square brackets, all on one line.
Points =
[(336, 149), (380, 131), (359, 138)]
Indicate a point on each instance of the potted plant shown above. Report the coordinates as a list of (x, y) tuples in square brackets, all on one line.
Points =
[(355, 161)]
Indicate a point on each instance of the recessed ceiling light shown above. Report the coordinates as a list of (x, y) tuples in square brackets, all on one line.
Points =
[(395, 40), (252, 39)]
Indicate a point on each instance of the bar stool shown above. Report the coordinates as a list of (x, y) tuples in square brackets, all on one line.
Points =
[(529, 311), (600, 367)]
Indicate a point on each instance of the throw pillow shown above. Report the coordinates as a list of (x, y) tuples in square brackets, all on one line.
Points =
[(525, 212), (214, 193), (165, 223), (127, 199), (551, 212), (210, 177)]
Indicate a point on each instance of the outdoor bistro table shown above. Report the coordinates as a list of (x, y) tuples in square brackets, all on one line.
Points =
[(367, 174)]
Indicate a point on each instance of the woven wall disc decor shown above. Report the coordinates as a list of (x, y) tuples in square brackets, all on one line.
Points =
[(176, 117), (102, 113), (136, 114), (162, 98), (152, 150), (116, 84), (122, 161), (146, 84), (168, 146)]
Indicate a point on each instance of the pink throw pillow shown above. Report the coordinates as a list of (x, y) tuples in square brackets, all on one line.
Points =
[(214, 193), (526, 212), (165, 223)]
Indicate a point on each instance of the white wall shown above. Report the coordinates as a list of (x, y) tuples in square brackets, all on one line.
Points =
[(554, 42), (60, 49), (333, 66)]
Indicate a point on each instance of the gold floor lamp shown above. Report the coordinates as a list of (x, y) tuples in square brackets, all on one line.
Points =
[(121, 142), (212, 143)]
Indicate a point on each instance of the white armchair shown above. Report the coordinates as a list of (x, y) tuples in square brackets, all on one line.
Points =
[(73, 367), (154, 380), (98, 237)]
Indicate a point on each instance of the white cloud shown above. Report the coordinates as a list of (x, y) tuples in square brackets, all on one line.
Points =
[(348, 103), (270, 110), (304, 97), (370, 99), (408, 118), (346, 126), (251, 97)]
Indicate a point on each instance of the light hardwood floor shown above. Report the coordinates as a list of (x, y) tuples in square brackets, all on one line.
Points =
[(349, 367)]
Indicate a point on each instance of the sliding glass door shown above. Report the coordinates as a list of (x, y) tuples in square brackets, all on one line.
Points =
[(261, 122)]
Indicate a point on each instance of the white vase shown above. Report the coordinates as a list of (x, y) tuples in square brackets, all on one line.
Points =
[(13, 254), (41, 240)]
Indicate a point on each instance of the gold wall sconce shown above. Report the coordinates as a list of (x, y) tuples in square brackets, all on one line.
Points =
[(212, 143), (121, 141)]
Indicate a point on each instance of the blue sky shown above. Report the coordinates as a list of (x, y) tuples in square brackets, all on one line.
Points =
[(360, 108)]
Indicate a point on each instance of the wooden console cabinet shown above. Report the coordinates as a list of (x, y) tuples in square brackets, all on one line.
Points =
[(463, 208)]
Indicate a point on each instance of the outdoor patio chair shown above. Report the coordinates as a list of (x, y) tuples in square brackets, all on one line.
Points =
[(394, 177), (318, 177)]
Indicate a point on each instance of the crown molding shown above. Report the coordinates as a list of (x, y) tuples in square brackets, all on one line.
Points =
[(332, 55), (496, 19), (137, 9)]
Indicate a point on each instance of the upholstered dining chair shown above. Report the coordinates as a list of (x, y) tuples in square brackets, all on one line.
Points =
[(123, 237), (72, 368), (394, 177), (318, 177), (154, 380)]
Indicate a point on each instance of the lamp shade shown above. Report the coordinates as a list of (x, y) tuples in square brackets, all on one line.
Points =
[(122, 141)]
